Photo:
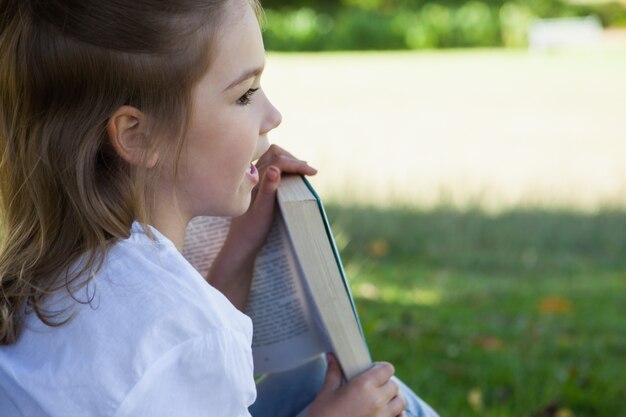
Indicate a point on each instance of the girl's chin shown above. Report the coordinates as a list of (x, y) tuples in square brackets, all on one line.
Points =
[(237, 205), (241, 207)]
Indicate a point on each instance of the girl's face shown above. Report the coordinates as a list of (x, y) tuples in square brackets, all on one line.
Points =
[(229, 124)]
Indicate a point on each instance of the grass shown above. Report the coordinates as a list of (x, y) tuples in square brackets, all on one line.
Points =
[(516, 314)]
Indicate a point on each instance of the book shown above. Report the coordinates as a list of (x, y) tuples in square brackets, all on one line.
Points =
[(300, 301)]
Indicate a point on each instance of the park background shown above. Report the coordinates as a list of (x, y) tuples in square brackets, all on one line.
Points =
[(475, 179)]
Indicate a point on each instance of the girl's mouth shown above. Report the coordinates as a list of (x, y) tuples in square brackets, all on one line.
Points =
[(252, 174)]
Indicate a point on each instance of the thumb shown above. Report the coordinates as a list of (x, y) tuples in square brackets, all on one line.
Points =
[(333, 374), (265, 194)]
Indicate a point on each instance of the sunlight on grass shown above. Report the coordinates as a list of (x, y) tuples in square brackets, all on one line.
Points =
[(397, 295), (512, 315)]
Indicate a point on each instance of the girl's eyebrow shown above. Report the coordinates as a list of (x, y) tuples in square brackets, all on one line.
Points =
[(254, 72)]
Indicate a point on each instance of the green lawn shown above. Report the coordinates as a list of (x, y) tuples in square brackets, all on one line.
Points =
[(515, 314), (519, 314)]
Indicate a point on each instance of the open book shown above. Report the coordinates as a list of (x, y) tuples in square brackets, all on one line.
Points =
[(300, 302)]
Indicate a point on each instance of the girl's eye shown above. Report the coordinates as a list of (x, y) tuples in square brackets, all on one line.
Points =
[(245, 99)]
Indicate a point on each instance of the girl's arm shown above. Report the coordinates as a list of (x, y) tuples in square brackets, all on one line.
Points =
[(231, 271)]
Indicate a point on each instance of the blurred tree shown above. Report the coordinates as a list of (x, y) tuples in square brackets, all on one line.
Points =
[(313, 25), (546, 6)]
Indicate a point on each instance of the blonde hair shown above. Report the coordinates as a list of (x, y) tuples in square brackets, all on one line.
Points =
[(65, 195)]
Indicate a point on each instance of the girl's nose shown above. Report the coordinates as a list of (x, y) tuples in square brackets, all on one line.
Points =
[(273, 118)]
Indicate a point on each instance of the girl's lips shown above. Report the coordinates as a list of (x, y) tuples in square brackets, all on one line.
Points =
[(252, 174)]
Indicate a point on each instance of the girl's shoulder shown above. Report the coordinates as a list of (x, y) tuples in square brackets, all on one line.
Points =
[(149, 276), (144, 304), (144, 292)]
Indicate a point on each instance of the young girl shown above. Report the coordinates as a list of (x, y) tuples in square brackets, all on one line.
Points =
[(119, 122)]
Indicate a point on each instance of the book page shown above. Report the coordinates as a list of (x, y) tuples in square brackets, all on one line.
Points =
[(204, 238), (285, 334)]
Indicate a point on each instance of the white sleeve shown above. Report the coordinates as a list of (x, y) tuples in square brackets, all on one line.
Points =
[(206, 376)]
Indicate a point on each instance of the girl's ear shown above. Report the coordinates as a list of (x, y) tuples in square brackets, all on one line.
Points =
[(127, 131)]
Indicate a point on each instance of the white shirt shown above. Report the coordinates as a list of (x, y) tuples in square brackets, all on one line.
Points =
[(156, 340)]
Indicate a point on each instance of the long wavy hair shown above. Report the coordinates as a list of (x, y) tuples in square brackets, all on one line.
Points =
[(65, 195)]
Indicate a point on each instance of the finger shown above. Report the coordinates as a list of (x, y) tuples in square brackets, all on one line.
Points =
[(273, 153), (265, 193), (289, 165), (395, 407), (276, 155), (379, 373), (390, 389), (333, 374)]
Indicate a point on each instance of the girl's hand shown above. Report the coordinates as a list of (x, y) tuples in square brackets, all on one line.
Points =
[(253, 226), (371, 394), (231, 272)]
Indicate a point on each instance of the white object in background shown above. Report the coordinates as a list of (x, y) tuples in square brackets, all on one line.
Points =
[(565, 33)]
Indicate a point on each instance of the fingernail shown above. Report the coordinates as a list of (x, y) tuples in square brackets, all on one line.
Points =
[(273, 173)]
